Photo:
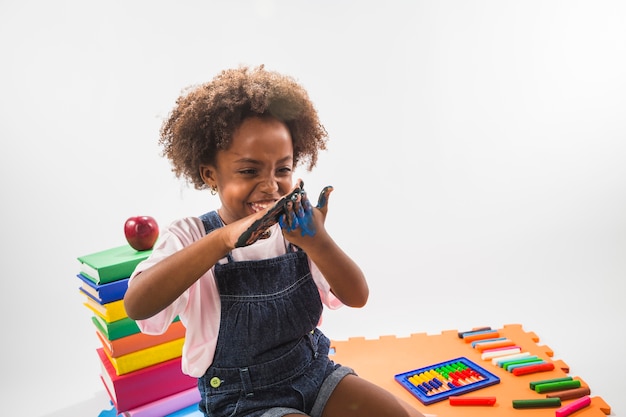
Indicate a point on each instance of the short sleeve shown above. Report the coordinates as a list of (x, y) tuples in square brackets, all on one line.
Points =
[(328, 298), (178, 235)]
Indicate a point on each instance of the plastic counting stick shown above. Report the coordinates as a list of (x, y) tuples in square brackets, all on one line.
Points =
[(481, 335), (574, 406), (533, 384), (570, 394), (498, 352), (477, 343), (537, 403), (501, 359), (456, 400), (475, 330), (530, 359), (492, 344), (515, 366), (530, 369), (557, 386)]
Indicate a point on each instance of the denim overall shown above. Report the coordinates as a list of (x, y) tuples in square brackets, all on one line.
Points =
[(270, 359)]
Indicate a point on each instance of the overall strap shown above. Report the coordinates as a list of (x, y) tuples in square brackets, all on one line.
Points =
[(211, 221)]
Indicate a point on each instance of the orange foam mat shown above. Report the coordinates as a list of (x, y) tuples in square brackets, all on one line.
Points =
[(379, 360)]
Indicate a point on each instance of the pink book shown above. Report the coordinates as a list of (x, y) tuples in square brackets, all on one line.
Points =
[(144, 386), (167, 405)]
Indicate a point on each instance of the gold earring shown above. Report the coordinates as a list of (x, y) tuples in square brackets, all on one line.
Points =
[(213, 189)]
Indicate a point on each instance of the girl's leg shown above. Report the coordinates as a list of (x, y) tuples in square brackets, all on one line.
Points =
[(356, 397)]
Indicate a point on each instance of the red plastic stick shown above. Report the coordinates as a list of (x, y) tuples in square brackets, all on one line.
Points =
[(454, 400), (531, 369)]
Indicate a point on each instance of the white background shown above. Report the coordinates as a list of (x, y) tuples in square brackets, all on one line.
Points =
[(477, 152)]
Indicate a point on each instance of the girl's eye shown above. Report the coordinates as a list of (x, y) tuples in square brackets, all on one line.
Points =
[(247, 171), (284, 170)]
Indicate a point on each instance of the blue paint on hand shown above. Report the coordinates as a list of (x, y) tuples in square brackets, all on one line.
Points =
[(301, 218), (322, 201), (306, 219)]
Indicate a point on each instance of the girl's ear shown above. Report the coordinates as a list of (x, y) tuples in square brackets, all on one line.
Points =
[(207, 172)]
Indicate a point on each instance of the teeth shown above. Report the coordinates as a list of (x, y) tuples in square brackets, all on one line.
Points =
[(256, 207)]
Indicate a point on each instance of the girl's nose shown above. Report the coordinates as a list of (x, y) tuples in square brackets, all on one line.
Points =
[(269, 185)]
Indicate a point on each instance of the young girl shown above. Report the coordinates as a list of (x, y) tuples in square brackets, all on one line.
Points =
[(251, 312)]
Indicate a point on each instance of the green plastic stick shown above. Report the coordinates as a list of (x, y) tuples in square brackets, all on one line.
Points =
[(533, 384), (557, 386), (537, 403)]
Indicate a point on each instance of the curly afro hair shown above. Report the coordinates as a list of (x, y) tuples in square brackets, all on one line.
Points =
[(206, 116)]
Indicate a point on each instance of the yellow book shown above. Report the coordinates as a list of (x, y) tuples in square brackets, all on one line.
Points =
[(110, 312), (147, 357)]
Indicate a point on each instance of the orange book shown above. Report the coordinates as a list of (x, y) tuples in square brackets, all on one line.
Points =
[(138, 341)]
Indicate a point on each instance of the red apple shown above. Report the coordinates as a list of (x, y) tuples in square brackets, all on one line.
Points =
[(141, 232)]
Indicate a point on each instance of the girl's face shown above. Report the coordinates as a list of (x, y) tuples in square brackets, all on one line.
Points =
[(255, 171)]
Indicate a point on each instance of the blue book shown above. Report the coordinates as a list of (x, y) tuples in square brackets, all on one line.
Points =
[(189, 411), (104, 293)]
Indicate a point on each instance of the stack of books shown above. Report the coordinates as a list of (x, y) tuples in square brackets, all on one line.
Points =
[(141, 373)]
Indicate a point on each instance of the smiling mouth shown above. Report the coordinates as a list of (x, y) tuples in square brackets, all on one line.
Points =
[(261, 205)]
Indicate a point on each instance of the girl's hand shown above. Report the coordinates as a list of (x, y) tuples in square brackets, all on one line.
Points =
[(268, 217), (246, 231), (302, 220)]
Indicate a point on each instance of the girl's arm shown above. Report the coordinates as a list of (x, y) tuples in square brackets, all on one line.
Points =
[(157, 287), (344, 276)]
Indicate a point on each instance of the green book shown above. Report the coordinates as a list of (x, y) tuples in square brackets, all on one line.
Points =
[(119, 328), (116, 329), (111, 264)]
